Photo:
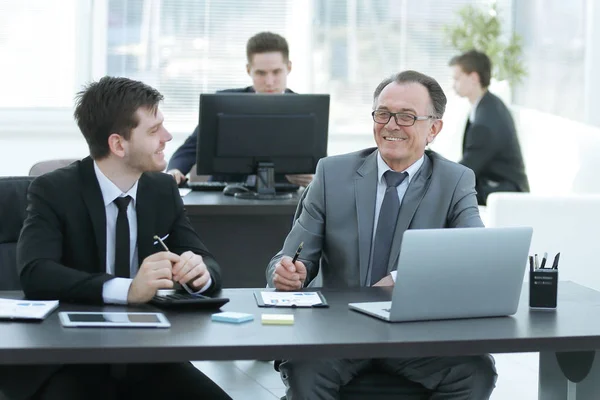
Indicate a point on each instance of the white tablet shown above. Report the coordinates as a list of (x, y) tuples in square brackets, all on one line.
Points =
[(73, 319)]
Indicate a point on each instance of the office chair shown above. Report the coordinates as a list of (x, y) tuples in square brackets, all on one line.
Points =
[(13, 203), (43, 167), (379, 385)]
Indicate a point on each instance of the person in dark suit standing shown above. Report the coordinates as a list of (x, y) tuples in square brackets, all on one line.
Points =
[(490, 144), (88, 238), (268, 66)]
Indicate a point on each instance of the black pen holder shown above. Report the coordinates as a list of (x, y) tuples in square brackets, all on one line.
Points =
[(543, 288)]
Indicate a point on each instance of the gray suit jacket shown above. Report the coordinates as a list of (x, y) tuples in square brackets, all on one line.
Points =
[(335, 216)]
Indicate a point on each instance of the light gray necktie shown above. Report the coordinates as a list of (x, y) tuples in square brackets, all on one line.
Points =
[(386, 225)]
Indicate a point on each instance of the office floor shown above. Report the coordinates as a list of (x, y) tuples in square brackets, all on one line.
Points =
[(256, 380)]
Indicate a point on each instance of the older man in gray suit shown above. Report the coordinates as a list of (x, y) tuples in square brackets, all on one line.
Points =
[(351, 219)]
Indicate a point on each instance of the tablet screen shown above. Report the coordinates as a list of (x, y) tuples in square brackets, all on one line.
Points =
[(111, 317)]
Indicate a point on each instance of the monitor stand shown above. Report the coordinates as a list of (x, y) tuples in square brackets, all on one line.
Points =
[(265, 185)]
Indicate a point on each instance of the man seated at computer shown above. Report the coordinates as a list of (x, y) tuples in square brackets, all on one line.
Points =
[(89, 238), (356, 206), (268, 66)]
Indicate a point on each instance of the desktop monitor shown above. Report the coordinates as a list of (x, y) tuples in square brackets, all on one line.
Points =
[(262, 134)]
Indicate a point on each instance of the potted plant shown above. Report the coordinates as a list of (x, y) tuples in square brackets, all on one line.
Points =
[(479, 28)]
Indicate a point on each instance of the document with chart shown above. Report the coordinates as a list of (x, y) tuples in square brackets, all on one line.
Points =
[(289, 299), (26, 309)]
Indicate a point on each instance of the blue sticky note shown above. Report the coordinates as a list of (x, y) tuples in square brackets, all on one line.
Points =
[(232, 317)]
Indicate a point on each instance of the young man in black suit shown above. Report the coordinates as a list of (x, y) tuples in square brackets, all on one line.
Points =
[(490, 144), (268, 66), (88, 238)]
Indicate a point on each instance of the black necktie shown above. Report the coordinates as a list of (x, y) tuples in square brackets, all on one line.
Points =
[(386, 225), (122, 257)]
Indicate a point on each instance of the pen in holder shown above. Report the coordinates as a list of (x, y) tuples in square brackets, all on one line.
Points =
[(543, 288)]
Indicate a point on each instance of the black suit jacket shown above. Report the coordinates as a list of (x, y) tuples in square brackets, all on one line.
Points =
[(61, 253), (491, 149), (184, 157)]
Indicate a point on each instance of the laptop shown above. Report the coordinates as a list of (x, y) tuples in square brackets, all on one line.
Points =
[(456, 273)]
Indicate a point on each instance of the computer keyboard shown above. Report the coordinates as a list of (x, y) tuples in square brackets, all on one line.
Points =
[(286, 187), (280, 187), (207, 186), (186, 300)]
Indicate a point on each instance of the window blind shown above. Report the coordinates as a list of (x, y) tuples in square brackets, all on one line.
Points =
[(554, 42), (184, 48)]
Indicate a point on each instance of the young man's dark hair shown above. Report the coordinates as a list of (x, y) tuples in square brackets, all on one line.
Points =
[(109, 106), (267, 42), (475, 61)]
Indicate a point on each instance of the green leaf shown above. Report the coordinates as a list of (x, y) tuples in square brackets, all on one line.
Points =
[(480, 28)]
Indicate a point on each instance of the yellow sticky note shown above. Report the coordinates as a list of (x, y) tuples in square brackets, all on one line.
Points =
[(277, 319)]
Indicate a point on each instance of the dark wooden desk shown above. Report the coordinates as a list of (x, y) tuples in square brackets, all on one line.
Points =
[(567, 339), (242, 234)]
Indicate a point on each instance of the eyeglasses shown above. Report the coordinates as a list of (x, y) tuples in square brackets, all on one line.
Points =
[(402, 119)]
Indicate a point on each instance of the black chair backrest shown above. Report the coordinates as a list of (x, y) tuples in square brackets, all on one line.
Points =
[(13, 205)]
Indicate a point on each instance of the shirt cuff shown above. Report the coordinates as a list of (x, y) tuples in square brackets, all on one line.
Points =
[(393, 274), (204, 288), (115, 291)]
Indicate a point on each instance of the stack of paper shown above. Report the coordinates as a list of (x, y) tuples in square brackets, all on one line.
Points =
[(26, 309)]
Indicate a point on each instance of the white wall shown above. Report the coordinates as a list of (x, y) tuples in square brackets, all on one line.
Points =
[(561, 156)]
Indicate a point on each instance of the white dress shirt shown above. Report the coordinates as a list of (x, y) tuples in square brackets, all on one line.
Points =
[(382, 167), (474, 109), (115, 291)]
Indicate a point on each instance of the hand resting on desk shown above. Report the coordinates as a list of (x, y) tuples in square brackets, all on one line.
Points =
[(288, 275), (160, 270), (154, 273), (191, 270)]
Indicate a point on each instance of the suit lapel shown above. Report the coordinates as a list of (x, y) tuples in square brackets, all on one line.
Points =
[(467, 126), (145, 221), (92, 196), (482, 102), (365, 189), (412, 198)]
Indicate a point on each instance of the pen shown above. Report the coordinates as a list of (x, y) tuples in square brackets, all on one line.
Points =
[(163, 238), (159, 240), (537, 264), (530, 263), (544, 259), (297, 252), (555, 263)]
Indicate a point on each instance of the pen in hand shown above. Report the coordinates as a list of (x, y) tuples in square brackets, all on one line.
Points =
[(297, 253), (159, 240)]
